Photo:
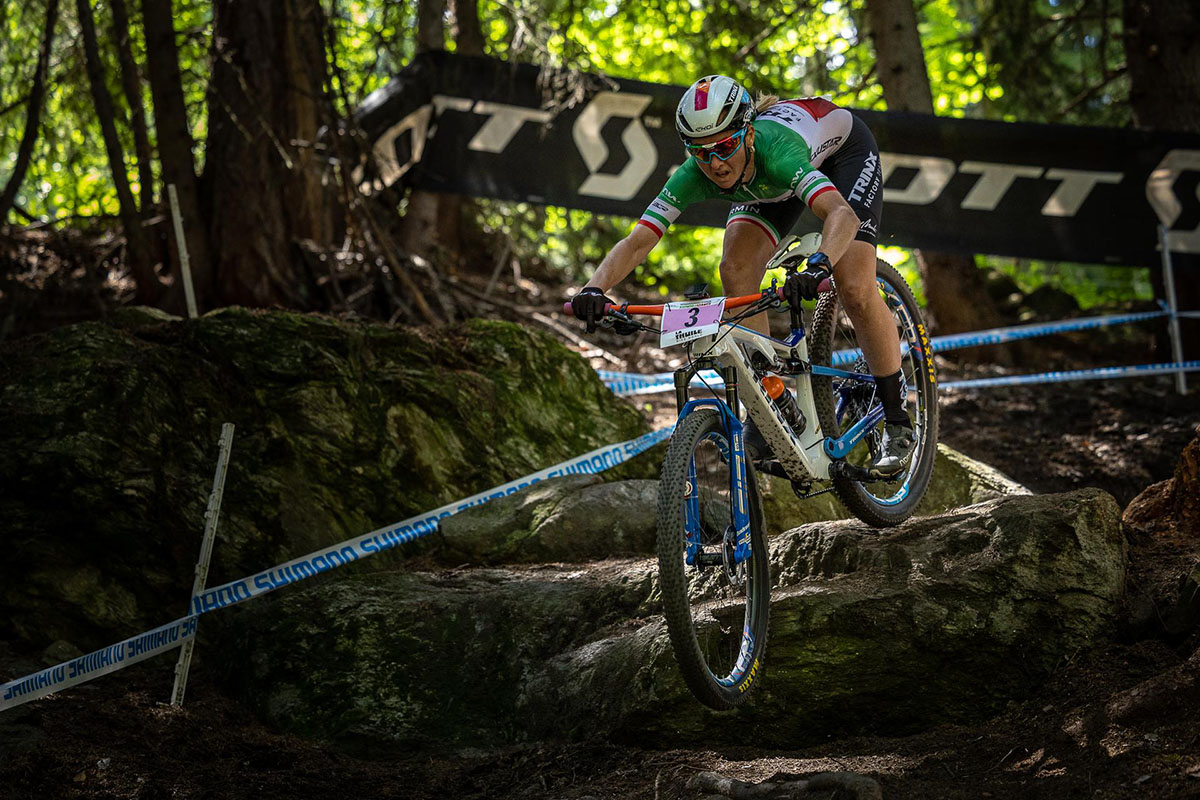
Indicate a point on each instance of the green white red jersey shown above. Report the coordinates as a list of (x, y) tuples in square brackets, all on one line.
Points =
[(791, 140)]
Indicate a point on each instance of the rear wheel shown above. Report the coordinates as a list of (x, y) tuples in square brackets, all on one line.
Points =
[(841, 402), (716, 609)]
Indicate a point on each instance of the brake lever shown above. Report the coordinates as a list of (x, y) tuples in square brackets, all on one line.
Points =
[(620, 317)]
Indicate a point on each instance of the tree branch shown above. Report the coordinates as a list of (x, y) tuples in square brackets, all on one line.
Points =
[(1090, 92), (131, 85), (33, 117), (753, 44)]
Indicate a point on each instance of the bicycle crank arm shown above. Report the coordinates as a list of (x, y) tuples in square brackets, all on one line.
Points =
[(840, 469)]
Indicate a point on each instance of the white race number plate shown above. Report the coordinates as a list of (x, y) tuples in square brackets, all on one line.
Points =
[(683, 322)]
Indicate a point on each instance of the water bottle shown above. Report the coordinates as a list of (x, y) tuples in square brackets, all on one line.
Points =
[(785, 401)]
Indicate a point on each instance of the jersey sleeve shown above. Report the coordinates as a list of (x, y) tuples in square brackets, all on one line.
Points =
[(792, 168), (685, 186)]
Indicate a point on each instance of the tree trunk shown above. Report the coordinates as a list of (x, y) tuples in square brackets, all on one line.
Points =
[(267, 182), (468, 40), (419, 228), (468, 36), (955, 292), (1164, 63), (1164, 89), (131, 84), (33, 115), (175, 142), (148, 286)]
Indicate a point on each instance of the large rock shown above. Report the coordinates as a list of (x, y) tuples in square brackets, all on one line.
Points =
[(1163, 523), (958, 480), (581, 518), (942, 619), (108, 435)]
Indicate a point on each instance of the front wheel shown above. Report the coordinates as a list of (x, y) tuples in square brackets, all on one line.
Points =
[(841, 402), (716, 608)]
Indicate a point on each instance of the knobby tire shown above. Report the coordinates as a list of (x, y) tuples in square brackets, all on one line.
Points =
[(890, 503), (688, 592)]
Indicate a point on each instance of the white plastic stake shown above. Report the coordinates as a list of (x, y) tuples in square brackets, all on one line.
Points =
[(1173, 306), (185, 266), (206, 546)]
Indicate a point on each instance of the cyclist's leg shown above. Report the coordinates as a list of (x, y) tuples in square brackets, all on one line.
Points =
[(859, 295), (856, 173), (854, 169), (752, 234), (750, 239)]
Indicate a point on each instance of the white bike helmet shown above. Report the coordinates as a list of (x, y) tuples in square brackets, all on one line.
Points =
[(713, 104)]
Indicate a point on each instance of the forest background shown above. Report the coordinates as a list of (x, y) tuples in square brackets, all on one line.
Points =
[(248, 108)]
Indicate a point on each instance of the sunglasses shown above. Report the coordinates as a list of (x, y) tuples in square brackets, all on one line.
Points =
[(723, 149)]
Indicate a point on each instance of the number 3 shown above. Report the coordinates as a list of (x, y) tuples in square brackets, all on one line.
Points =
[(695, 312)]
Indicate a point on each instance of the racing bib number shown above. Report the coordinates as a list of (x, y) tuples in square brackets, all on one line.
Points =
[(683, 322)]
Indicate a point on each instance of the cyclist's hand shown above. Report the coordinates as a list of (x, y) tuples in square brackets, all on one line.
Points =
[(588, 306), (804, 285)]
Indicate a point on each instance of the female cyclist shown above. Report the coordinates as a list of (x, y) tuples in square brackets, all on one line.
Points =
[(771, 160)]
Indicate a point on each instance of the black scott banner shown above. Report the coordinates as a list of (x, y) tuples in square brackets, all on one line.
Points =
[(515, 132)]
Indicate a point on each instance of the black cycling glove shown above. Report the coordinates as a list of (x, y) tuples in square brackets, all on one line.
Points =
[(804, 285), (588, 306)]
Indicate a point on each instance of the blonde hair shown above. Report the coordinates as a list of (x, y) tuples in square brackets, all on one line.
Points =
[(764, 102)]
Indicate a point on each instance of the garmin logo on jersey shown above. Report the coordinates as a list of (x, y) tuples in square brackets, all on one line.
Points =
[(870, 166)]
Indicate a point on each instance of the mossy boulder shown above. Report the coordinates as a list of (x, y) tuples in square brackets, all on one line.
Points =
[(579, 518), (582, 518), (108, 442), (942, 619), (399, 661), (958, 480)]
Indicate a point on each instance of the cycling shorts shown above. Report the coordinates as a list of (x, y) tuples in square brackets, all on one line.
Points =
[(856, 173)]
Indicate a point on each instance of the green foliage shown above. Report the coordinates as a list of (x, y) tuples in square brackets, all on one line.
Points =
[(1090, 284), (70, 174), (1079, 74), (372, 42), (1045, 60), (906, 264)]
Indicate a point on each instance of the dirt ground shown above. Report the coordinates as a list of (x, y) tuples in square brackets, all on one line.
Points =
[(114, 738)]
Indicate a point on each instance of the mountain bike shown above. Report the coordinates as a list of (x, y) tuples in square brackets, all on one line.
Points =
[(711, 542)]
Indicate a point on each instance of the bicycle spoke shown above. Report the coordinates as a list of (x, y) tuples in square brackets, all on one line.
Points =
[(840, 403)]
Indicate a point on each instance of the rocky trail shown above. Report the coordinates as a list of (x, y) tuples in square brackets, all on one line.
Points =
[(570, 692)]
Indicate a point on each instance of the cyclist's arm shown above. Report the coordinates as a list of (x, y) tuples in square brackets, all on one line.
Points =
[(686, 185), (620, 261), (841, 224)]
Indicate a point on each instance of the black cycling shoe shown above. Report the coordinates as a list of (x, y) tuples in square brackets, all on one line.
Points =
[(895, 451)]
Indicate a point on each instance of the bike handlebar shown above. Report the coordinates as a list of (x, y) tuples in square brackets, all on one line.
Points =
[(730, 302)]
